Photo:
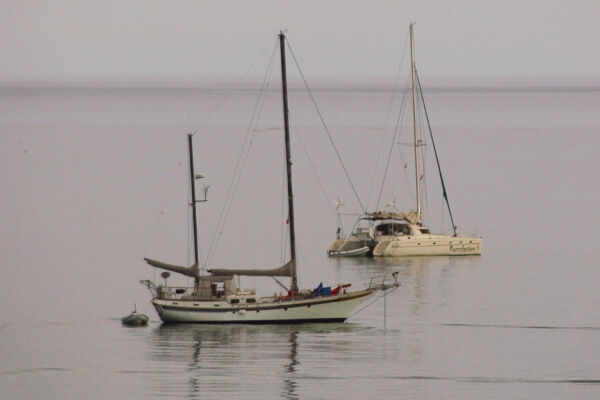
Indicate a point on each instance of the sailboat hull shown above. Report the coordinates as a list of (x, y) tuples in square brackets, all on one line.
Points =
[(428, 245), (320, 309)]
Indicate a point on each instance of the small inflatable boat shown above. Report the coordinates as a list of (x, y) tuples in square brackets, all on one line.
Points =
[(135, 319), (350, 253)]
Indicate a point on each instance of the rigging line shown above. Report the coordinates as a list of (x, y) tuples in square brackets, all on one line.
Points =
[(423, 159), (236, 84), (325, 127), (437, 160), (189, 233), (375, 300), (387, 118), (286, 233), (244, 156), (237, 168), (443, 214), (162, 203), (396, 81), (404, 161), (375, 164), (312, 165), (392, 146), (282, 235), (245, 159), (252, 128), (356, 223)]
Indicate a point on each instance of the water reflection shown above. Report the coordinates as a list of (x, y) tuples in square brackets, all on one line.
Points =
[(213, 360), (290, 385)]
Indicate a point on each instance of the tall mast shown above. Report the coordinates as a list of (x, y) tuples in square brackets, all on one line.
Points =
[(193, 182), (414, 106), (288, 164)]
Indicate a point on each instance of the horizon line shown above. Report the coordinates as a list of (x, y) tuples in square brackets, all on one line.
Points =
[(435, 84)]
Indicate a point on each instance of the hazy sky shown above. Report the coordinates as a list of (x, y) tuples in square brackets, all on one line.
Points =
[(208, 41)]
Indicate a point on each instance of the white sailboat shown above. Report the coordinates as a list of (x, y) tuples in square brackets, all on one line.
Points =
[(395, 234), (215, 298)]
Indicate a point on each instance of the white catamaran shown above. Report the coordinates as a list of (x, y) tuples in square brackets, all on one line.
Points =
[(215, 298), (395, 234)]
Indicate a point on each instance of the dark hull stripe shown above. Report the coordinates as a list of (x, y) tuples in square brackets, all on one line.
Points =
[(258, 322)]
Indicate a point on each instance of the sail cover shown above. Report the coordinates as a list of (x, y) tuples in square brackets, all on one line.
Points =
[(285, 270), (192, 271)]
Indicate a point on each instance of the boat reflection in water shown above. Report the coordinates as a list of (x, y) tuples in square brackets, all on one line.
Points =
[(212, 361)]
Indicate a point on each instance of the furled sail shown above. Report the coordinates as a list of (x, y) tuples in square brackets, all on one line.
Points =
[(192, 271), (285, 270)]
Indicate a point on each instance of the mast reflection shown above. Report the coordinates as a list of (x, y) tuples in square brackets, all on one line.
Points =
[(217, 360)]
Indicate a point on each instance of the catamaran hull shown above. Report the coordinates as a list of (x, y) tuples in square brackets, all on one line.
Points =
[(321, 309), (428, 246)]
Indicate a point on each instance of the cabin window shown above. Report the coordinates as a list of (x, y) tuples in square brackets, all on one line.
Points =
[(424, 230), (250, 300), (235, 301)]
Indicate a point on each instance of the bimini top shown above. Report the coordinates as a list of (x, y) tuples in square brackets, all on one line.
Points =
[(411, 217), (284, 270)]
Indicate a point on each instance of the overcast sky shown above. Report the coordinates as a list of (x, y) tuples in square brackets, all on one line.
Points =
[(339, 41)]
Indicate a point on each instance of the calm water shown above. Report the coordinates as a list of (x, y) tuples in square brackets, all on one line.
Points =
[(93, 180)]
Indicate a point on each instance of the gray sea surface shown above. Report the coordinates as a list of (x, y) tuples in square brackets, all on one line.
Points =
[(92, 180)]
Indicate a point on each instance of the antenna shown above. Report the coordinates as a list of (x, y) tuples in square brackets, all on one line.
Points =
[(204, 188), (165, 275), (392, 205)]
